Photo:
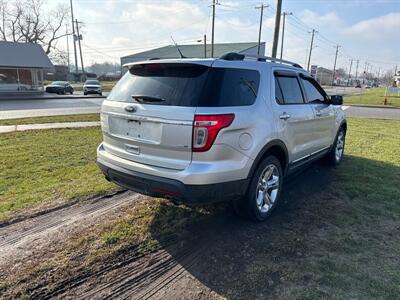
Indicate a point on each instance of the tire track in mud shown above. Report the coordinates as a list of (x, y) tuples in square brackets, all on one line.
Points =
[(139, 275), (14, 235)]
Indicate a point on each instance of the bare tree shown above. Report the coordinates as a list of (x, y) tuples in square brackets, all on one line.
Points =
[(30, 22)]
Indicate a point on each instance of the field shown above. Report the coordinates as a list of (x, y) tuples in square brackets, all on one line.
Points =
[(374, 97)]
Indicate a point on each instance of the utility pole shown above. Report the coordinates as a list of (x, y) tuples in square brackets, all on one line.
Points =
[(205, 46), (277, 25), (351, 63), (259, 31), (334, 65), (357, 69), (74, 37), (66, 31), (365, 71), (212, 31), (80, 48), (395, 71), (283, 30), (311, 47)]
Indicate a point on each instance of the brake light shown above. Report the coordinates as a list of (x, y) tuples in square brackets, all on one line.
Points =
[(206, 128)]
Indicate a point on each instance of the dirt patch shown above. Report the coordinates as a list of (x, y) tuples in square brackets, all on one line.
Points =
[(21, 242)]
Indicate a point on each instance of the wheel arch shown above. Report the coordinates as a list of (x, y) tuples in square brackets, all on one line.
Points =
[(276, 148)]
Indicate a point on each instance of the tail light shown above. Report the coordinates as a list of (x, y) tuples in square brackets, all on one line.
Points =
[(206, 128)]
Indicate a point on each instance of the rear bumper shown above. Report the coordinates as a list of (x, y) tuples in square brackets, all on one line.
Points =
[(156, 186)]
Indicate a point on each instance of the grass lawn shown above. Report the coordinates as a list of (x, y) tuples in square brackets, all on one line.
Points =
[(51, 119), (42, 166), (373, 96), (335, 235)]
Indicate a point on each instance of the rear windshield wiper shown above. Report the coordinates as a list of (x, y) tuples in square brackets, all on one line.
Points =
[(141, 99)]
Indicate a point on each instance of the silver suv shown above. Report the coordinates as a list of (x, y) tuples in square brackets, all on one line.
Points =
[(206, 130)]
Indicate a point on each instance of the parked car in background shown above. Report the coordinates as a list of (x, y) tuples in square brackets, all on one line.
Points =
[(60, 87), (202, 130), (92, 87)]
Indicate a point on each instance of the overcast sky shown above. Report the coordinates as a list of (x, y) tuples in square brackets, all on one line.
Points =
[(366, 30)]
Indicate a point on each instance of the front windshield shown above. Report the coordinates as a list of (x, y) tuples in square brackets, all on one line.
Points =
[(92, 82)]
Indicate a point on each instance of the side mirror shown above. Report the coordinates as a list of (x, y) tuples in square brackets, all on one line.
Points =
[(337, 100)]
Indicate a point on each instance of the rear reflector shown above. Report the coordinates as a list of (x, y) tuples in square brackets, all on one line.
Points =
[(206, 128)]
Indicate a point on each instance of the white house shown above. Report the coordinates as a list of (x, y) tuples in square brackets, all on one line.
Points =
[(21, 67)]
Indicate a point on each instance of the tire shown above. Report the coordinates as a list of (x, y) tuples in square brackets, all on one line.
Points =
[(84, 94), (101, 94), (72, 92), (335, 155), (261, 199)]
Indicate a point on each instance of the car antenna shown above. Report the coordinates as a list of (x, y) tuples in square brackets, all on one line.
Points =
[(177, 47)]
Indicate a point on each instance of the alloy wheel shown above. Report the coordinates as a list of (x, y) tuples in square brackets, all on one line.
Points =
[(339, 146), (267, 188)]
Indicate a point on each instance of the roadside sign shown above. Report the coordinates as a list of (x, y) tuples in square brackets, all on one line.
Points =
[(313, 70)]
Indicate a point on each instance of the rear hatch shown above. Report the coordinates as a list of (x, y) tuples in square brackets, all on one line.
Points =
[(148, 116)]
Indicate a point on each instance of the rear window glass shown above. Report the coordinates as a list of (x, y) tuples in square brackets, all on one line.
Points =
[(187, 85)]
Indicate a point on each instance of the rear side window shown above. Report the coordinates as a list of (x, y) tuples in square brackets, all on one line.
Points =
[(231, 87), (187, 85), (290, 90)]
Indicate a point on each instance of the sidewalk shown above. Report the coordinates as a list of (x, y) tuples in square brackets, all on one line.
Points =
[(13, 128)]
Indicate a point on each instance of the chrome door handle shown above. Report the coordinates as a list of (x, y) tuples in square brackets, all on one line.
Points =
[(284, 116), (318, 113)]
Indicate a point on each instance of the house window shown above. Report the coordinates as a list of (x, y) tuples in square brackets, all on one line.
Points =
[(8, 80)]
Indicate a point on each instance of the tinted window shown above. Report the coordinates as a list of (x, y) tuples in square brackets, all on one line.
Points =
[(92, 82), (278, 92), (312, 93), (230, 87), (290, 89), (187, 85)]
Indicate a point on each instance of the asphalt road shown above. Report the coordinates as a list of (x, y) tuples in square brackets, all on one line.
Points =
[(11, 109), (372, 112)]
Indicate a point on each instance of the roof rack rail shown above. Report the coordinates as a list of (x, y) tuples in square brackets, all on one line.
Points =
[(241, 56)]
